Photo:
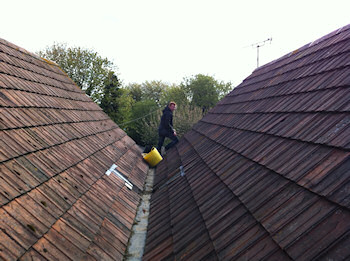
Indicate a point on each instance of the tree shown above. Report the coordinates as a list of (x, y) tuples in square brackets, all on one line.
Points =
[(85, 67), (185, 116), (204, 91), (150, 98), (110, 102), (141, 112), (149, 90), (154, 90), (125, 109), (135, 91), (174, 93)]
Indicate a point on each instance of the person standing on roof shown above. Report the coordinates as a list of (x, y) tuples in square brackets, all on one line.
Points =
[(166, 128)]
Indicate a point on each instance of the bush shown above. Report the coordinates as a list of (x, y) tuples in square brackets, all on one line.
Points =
[(142, 111), (184, 118)]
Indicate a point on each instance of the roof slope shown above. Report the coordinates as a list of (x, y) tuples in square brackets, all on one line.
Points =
[(56, 145), (267, 170)]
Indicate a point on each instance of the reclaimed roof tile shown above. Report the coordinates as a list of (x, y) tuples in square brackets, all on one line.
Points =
[(265, 174), (56, 202)]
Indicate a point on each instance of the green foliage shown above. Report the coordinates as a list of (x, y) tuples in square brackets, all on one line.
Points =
[(174, 93), (184, 118), (125, 109), (149, 135), (194, 97), (153, 90), (85, 67), (112, 98), (204, 91), (137, 108), (141, 112), (135, 91)]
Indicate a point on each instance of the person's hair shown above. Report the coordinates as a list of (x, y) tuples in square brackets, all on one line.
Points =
[(172, 102)]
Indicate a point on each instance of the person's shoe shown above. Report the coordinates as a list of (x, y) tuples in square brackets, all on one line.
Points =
[(163, 151)]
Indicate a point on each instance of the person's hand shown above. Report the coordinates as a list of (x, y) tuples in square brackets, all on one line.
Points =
[(175, 132)]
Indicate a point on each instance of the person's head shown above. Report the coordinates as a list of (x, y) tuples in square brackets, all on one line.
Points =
[(172, 106)]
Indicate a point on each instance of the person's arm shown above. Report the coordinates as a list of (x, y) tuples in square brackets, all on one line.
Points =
[(169, 123)]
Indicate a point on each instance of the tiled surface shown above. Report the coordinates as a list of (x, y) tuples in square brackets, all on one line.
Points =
[(267, 171), (56, 202)]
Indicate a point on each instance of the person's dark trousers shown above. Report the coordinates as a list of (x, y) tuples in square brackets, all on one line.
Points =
[(160, 143), (173, 138)]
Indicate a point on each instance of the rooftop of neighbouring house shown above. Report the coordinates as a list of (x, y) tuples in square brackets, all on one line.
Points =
[(57, 200), (265, 175)]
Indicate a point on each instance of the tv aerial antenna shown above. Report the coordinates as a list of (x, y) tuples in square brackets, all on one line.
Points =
[(257, 46)]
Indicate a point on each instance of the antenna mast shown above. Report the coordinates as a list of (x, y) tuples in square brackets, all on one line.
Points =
[(258, 45)]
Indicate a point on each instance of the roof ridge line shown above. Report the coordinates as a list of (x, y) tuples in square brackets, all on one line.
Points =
[(194, 199), (238, 198), (337, 206)]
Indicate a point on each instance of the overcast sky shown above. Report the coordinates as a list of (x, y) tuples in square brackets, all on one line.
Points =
[(169, 40)]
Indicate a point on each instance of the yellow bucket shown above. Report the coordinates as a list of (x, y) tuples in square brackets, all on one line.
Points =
[(153, 157)]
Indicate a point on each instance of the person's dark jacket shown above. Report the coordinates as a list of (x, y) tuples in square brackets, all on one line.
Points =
[(166, 123)]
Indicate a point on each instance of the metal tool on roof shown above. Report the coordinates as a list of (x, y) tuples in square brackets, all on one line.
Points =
[(113, 169)]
